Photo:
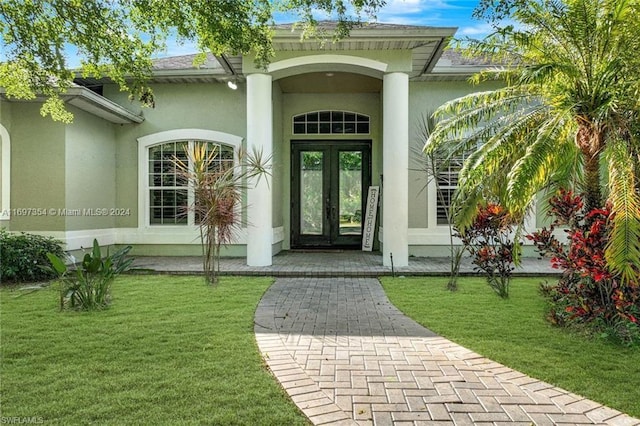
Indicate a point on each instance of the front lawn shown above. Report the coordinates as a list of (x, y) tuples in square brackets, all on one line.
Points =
[(170, 350), (515, 333)]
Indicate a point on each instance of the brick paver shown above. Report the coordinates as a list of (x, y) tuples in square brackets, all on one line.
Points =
[(331, 264), (346, 355)]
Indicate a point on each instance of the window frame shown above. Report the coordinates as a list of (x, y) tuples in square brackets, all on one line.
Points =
[(172, 136), (452, 173)]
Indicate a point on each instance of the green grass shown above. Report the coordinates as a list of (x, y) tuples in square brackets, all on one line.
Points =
[(169, 350), (515, 333)]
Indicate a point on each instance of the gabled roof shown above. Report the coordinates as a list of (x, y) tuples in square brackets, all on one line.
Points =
[(426, 43), (430, 60), (452, 65)]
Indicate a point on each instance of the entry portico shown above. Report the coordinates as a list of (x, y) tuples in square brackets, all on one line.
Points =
[(335, 118), (391, 54)]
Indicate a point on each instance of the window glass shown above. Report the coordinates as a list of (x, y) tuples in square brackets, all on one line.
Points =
[(447, 181), (331, 122), (169, 189)]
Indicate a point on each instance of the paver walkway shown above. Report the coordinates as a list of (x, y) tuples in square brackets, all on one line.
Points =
[(347, 356)]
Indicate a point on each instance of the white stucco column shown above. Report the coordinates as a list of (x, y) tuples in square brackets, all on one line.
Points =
[(395, 169), (260, 136)]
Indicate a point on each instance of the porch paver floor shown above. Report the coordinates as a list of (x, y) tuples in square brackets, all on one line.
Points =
[(347, 356), (348, 263)]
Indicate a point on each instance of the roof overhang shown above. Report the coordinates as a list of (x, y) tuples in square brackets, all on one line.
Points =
[(426, 44), (88, 101)]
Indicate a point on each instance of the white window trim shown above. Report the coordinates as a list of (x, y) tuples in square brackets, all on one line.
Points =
[(176, 135), (5, 202)]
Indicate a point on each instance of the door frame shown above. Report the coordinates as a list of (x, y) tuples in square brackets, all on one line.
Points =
[(331, 222)]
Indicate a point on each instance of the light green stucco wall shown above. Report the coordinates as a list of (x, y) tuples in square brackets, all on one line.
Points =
[(90, 173), (279, 161), (396, 60), (178, 106), (5, 121), (37, 168)]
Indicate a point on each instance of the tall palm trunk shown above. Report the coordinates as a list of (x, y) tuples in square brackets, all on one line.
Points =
[(593, 196), (590, 139)]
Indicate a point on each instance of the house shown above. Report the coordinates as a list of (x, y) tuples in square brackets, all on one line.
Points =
[(336, 118)]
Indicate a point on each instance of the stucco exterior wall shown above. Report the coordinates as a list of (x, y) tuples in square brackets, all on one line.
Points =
[(37, 168), (279, 162), (90, 173), (178, 106), (396, 60), (5, 122)]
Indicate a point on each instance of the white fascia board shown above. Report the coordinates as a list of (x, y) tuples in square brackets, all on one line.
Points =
[(362, 34), (91, 102), (100, 106), (196, 72)]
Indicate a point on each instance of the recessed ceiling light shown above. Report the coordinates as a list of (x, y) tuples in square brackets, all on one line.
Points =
[(329, 74)]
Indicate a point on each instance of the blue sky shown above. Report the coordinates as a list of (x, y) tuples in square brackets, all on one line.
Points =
[(437, 13)]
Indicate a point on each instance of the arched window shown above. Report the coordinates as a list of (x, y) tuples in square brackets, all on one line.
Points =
[(165, 193), (331, 122)]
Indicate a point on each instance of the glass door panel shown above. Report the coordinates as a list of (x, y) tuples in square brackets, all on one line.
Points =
[(311, 194), (350, 192)]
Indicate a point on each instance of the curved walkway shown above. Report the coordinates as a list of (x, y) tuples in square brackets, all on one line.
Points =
[(347, 356)]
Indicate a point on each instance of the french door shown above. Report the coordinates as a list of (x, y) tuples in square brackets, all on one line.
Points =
[(329, 184)]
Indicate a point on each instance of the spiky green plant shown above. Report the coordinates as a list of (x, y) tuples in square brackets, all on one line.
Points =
[(218, 192), (432, 165), (568, 110)]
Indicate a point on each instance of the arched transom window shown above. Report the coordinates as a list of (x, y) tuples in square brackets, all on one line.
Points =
[(331, 122), (169, 191)]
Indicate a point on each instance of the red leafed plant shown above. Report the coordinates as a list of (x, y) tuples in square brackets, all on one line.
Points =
[(488, 240), (588, 293)]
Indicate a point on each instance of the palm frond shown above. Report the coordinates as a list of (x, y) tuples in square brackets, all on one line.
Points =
[(464, 206), (455, 119), (495, 157), (623, 250), (534, 170)]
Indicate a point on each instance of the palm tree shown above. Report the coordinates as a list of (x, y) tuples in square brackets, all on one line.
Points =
[(567, 111)]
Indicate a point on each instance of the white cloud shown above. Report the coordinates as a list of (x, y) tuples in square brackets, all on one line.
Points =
[(476, 31), (420, 12)]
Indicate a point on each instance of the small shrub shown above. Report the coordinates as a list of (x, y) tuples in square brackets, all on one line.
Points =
[(23, 257), (588, 295), (87, 286), (488, 240)]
